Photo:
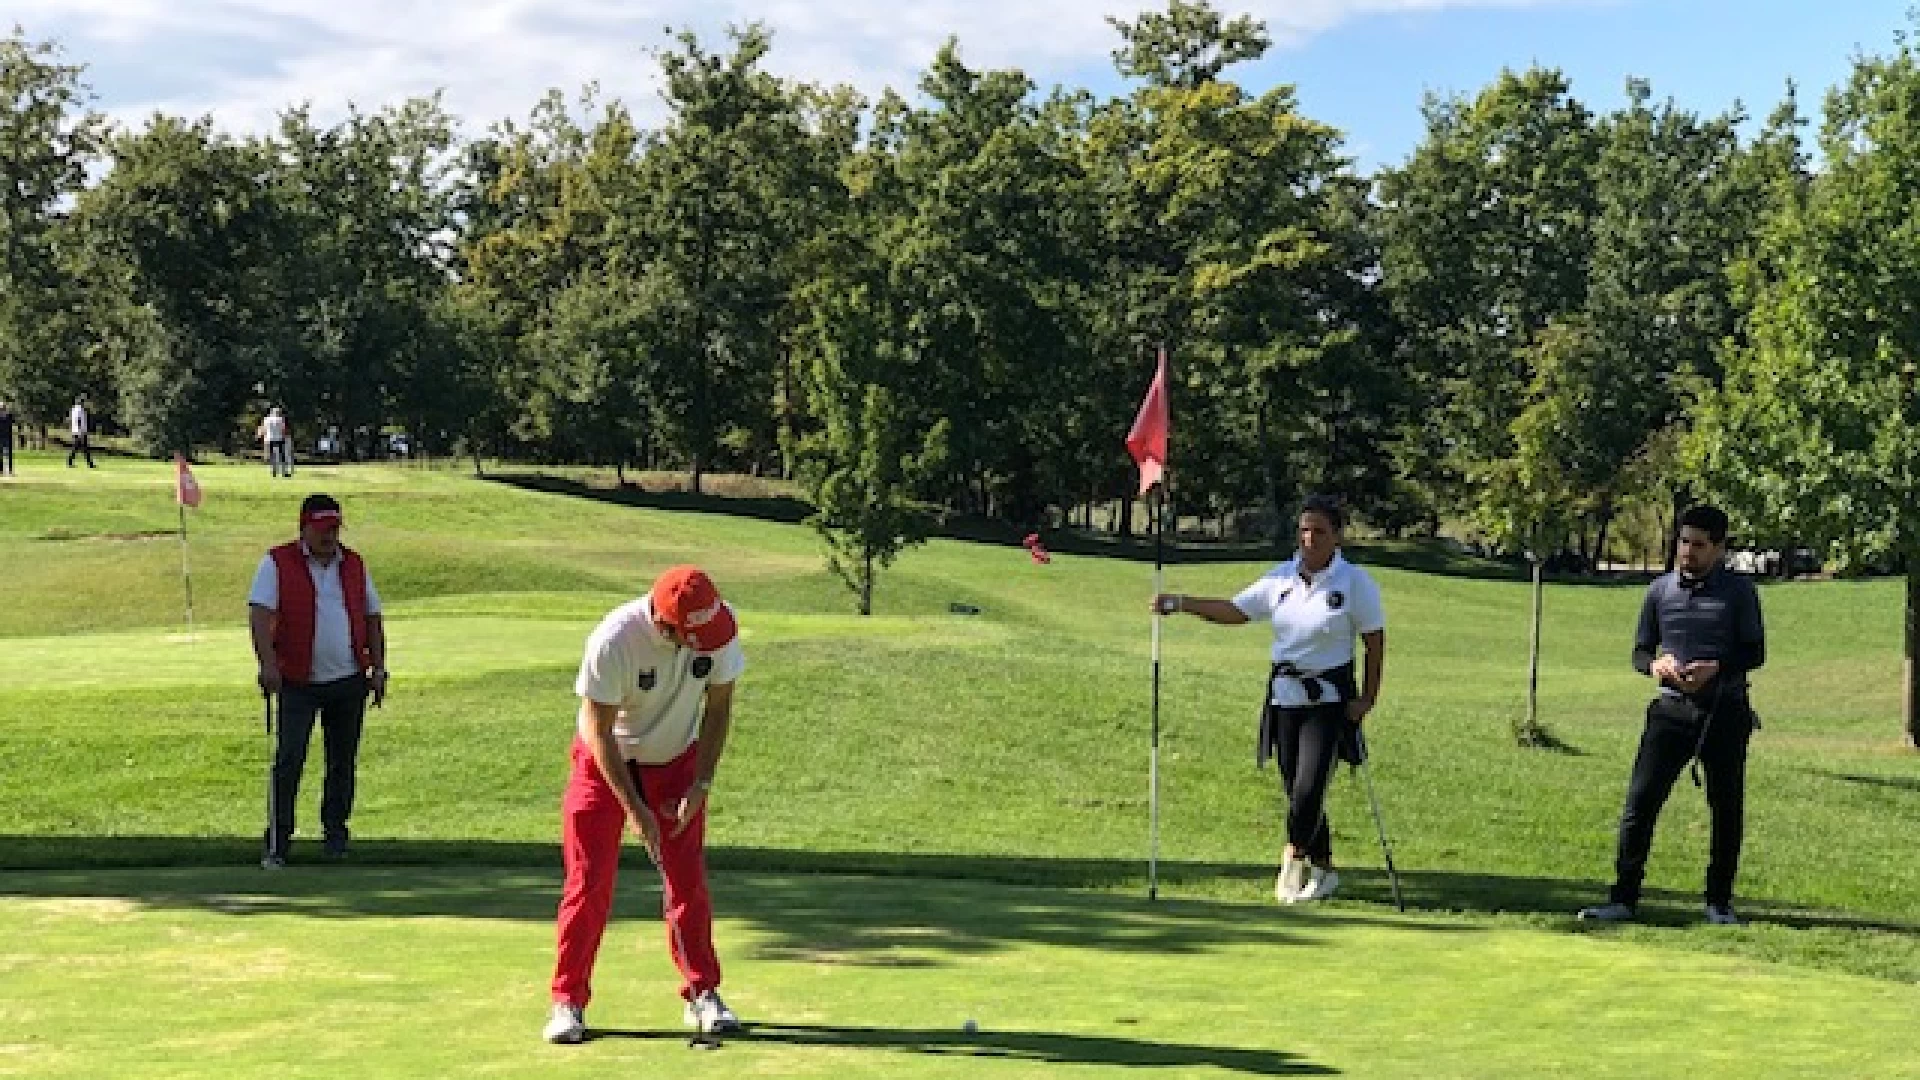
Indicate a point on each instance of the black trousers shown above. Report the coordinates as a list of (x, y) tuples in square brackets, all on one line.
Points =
[(1307, 742), (81, 445), (1675, 730), (341, 708)]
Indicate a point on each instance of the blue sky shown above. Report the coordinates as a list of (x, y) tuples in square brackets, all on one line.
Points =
[(1362, 65)]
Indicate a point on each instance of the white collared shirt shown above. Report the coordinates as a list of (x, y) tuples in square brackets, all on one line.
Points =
[(658, 685), (332, 635), (1314, 624), (77, 420)]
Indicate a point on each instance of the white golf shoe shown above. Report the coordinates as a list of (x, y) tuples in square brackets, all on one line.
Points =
[(1322, 883), (1290, 880), (1612, 911), (568, 1024), (710, 1015)]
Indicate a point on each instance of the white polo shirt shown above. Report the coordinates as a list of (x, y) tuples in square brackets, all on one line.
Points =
[(658, 685), (1313, 624), (275, 428), (332, 637), (77, 420)]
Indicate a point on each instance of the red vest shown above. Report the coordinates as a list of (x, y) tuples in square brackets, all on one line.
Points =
[(293, 628)]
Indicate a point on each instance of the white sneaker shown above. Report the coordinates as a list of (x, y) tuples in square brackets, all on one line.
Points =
[(1322, 883), (710, 1015), (568, 1024), (1723, 915), (1290, 880), (1612, 911)]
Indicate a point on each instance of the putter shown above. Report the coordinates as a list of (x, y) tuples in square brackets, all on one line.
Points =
[(1379, 824), (273, 825)]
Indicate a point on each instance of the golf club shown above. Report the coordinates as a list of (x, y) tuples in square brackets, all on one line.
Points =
[(1379, 824), (273, 823)]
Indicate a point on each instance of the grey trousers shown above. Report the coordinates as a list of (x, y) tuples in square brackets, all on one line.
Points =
[(341, 708)]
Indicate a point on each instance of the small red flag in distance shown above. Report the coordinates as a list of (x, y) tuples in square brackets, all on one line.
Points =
[(186, 490), (1037, 549)]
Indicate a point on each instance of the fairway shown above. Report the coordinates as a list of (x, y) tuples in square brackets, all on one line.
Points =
[(924, 817)]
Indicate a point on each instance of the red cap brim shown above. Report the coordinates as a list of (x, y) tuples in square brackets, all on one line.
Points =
[(717, 634)]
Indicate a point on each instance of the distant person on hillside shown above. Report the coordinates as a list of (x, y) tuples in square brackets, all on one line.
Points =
[(1699, 636), (82, 431), (322, 648), (656, 705), (6, 439), (1317, 603), (273, 436)]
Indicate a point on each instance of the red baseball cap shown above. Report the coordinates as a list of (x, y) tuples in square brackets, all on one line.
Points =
[(321, 511), (685, 598)]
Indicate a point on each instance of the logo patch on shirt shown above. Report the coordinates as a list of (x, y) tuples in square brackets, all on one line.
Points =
[(1284, 593), (648, 679), (1336, 600), (702, 665)]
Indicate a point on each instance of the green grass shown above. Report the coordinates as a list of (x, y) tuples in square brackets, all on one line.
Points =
[(435, 972), (884, 764)]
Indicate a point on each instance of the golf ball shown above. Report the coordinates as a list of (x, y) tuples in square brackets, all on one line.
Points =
[(969, 1027)]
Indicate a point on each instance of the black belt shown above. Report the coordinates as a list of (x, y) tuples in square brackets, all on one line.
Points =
[(1340, 678)]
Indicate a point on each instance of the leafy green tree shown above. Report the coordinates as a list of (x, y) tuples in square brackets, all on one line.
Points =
[(1486, 239), (188, 218), (48, 139), (717, 233), (1813, 433), (1238, 237)]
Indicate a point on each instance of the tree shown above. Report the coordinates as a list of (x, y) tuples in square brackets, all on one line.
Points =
[(48, 139), (1238, 238), (868, 456), (188, 219), (717, 234), (1813, 433), (1486, 239)]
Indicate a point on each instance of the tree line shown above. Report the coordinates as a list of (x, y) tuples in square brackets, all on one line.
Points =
[(1552, 324)]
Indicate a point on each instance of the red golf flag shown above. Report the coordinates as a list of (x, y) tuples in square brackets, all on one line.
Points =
[(186, 490), (1147, 442)]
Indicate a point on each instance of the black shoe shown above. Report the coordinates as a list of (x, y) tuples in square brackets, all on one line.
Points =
[(336, 848)]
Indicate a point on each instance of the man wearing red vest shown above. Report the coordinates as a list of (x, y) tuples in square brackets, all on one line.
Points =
[(322, 648)]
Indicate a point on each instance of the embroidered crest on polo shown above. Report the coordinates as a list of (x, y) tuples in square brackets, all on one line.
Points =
[(1336, 600), (649, 679), (702, 665)]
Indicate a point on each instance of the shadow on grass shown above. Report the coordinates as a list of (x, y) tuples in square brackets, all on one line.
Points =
[(1423, 556), (829, 906), (783, 511), (1893, 783), (921, 911), (1039, 1047)]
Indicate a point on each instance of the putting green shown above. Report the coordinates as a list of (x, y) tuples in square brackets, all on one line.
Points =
[(329, 971)]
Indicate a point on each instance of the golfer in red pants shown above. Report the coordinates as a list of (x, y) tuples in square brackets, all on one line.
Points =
[(656, 700)]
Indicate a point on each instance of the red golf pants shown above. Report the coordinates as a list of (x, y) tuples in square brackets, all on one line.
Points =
[(593, 824)]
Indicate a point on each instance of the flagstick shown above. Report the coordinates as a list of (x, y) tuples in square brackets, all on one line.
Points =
[(1153, 754), (186, 570)]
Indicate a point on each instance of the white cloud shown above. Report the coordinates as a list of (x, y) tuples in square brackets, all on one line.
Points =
[(245, 60)]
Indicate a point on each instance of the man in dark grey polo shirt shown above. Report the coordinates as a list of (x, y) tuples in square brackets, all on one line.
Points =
[(1700, 635)]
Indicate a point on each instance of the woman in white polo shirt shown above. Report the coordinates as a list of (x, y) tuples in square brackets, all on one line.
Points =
[(1317, 603)]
